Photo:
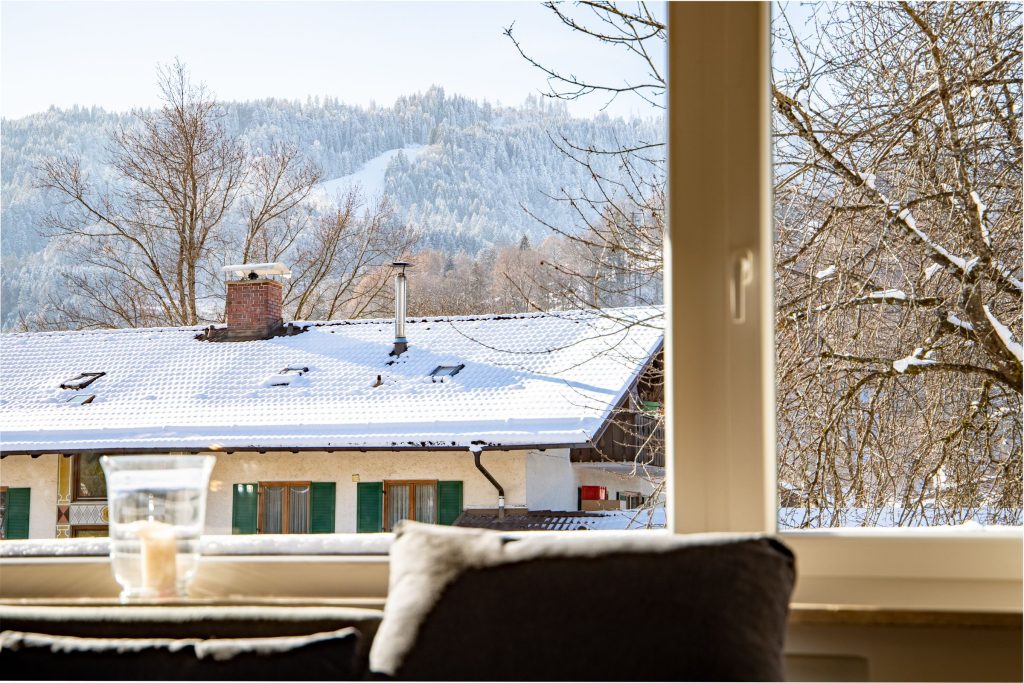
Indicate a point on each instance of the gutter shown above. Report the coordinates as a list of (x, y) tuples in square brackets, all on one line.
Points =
[(477, 450), (230, 450)]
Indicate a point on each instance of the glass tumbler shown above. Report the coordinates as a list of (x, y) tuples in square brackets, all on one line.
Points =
[(157, 511)]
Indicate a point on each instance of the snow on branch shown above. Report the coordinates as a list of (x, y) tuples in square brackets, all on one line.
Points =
[(958, 323), (915, 360), (1005, 335), (800, 119)]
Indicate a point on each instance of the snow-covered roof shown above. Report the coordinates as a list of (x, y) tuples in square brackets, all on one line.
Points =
[(529, 380), (554, 520)]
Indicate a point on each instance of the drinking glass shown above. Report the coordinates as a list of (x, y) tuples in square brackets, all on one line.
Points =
[(157, 510)]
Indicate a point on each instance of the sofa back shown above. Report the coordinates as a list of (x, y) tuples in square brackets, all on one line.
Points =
[(474, 606)]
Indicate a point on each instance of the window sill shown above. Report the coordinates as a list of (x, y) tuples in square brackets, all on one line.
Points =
[(911, 569), (215, 546), (859, 615), (904, 570)]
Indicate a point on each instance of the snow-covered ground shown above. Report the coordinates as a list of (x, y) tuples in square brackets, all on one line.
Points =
[(975, 519), (369, 178)]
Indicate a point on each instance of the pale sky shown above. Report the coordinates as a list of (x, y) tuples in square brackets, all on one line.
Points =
[(106, 53)]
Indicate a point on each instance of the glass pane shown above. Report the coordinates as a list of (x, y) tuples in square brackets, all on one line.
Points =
[(91, 482), (426, 503), (298, 510), (398, 503), (273, 508), (898, 263), (89, 533)]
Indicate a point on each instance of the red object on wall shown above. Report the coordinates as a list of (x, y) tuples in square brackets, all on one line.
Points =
[(594, 492)]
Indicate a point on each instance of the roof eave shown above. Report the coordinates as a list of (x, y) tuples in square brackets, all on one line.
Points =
[(261, 450)]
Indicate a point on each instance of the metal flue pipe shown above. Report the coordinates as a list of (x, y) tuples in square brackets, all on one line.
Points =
[(401, 306)]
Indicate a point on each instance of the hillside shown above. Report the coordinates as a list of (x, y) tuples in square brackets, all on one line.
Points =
[(459, 172)]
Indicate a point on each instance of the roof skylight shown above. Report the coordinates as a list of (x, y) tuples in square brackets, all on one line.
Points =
[(82, 381), (441, 371), (284, 377), (81, 399)]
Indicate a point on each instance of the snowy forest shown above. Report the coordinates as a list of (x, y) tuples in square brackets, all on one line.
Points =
[(466, 190)]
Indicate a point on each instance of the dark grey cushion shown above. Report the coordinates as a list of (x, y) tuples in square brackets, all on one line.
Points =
[(191, 622), (466, 604), (329, 656)]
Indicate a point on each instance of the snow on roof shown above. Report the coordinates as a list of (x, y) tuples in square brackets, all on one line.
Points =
[(554, 520), (529, 380)]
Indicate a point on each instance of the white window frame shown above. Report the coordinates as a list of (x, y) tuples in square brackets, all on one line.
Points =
[(720, 377), (721, 374)]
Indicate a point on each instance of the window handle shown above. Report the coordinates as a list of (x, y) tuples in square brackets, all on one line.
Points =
[(741, 275)]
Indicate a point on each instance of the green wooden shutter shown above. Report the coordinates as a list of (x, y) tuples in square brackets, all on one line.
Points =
[(369, 506), (449, 497), (18, 501), (321, 507), (244, 508)]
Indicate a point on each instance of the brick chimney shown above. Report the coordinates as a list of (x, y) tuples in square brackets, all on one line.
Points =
[(253, 305), (253, 308)]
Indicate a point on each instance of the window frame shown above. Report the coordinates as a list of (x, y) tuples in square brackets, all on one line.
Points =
[(723, 479), (87, 377), (719, 478), (285, 507), (412, 484), (3, 513), (76, 481)]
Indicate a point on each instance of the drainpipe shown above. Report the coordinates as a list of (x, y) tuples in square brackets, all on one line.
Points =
[(477, 450)]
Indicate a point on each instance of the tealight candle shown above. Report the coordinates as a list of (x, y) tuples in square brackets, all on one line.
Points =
[(159, 557)]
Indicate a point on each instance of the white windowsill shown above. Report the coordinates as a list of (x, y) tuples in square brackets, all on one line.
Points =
[(903, 569)]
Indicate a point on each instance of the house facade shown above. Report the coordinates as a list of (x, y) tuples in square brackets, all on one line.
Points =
[(323, 427)]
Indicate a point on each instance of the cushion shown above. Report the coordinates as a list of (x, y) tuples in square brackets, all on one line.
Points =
[(191, 621), (467, 604), (316, 657)]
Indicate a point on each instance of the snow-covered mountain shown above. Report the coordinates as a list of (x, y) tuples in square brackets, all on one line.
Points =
[(462, 173)]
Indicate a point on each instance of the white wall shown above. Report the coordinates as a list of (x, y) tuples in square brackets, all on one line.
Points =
[(508, 467), (39, 475), (593, 474), (550, 483)]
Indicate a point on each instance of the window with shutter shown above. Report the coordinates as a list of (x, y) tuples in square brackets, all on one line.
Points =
[(369, 507), (244, 508), (321, 507), (17, 513), (449, 496)]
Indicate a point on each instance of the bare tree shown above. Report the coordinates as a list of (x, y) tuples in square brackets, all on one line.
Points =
[(279, 181), (145, 245), (898, 263), (612, 255), (619, 227), (898, 259), (340, 268)]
